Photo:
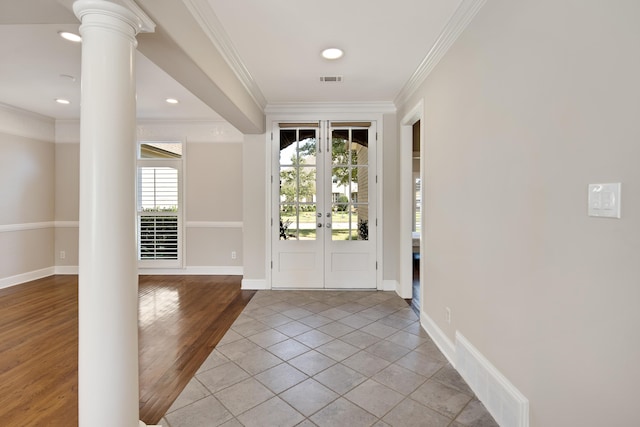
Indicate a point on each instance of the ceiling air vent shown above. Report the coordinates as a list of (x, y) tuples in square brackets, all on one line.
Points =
[(331, 79)]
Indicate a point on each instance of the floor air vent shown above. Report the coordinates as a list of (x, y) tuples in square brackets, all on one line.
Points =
[(331, 79)]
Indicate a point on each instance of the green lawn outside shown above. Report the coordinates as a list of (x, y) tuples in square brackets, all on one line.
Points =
[(308, 233), (311, 234), (306, 217)]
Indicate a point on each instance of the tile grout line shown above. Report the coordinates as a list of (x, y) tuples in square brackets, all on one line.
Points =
[(379, 310)]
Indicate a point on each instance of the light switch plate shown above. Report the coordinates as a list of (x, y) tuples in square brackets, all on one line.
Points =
[(604, 200)]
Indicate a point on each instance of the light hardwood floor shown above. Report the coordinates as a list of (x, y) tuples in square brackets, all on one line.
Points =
[(181, 319)]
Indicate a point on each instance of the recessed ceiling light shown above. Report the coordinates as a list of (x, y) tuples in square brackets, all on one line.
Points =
[(332, 53), (63, 101), (70, 36), (171, 101)]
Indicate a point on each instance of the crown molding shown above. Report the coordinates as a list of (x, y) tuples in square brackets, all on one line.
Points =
[(188, 130), (462, 17), (211, 25), (27, 124), (330, 107)]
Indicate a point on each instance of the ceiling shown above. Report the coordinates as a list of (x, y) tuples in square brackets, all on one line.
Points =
[(274, 46), (384, 42)]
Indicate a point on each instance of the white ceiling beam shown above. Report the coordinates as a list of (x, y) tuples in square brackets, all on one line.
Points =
[(185, 51)]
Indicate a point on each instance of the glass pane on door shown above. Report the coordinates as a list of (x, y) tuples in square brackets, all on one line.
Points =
[(298, 222), (340, 147), (298, 195), (350, 184), (360, 147)]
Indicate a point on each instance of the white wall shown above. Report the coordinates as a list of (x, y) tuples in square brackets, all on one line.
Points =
[(390, 199), (255, 211), (535, 101), (26, 189), (67, 172), (214, 204)]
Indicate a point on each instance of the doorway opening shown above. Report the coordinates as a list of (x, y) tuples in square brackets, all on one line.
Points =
[(412, 207), (416, 231)]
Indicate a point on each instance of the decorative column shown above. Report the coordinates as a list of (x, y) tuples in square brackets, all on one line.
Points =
[(108, 273)]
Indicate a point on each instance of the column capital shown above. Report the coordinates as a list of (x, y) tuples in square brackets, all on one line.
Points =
[(126, 11)]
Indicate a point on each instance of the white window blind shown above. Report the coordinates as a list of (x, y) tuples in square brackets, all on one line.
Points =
[(158, 205), (158, 189), (158, 237)]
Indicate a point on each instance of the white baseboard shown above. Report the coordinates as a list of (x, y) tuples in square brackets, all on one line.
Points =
[(390, 285), (195, 270), (73, 269), (255, 284), (507, 405), (26, 277), (66, 269), (502, 399), (440, 338)]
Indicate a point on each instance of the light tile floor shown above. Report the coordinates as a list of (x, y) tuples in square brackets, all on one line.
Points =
[(327, 358)]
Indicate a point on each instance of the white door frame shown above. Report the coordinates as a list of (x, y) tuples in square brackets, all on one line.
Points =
[(309, 114), (406, 196)]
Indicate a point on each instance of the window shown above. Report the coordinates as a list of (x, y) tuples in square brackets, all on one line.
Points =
[(159, 204)]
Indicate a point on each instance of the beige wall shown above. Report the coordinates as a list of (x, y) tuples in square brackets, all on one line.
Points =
[(212, 246), (214, 195), (390, 198), (214, 182), (67, 184), (27, 176), (254, 208), (27, 191), (25, 253), (535, 101), (66, 240)]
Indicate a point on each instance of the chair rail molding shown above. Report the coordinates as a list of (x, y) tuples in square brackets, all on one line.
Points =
[(27, 226)]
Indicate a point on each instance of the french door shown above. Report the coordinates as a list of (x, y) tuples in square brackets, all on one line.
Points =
[(324, 205)]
